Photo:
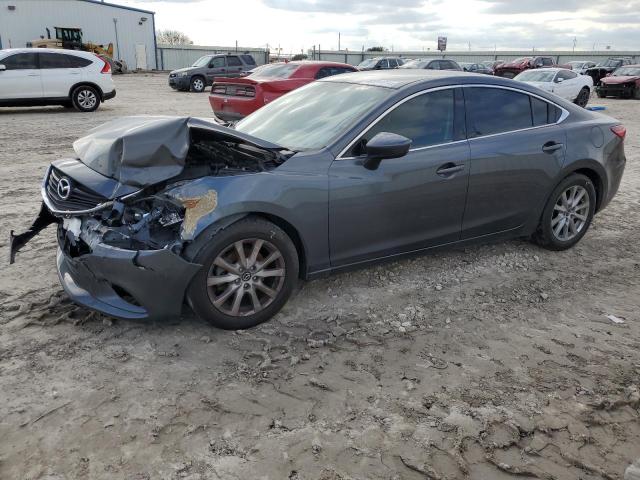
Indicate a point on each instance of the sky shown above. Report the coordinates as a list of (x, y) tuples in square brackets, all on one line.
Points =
[(298, 25)]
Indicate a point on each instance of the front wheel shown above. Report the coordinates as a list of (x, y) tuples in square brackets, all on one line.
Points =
[(85, 98), (568, 213), (249, 271), (197, 84), (583, 97)]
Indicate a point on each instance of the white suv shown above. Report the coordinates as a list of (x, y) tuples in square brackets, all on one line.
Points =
[(43, 76)]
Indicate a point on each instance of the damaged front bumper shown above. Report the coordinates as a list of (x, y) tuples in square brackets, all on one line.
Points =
[(124, 283)]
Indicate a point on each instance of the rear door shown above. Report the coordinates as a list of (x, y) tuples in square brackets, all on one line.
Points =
[(60, 72), (408, 203), (517, 150), (21, 79), (234, 66)]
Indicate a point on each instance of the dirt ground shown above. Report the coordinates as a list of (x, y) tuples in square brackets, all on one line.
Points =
[(489, 362)]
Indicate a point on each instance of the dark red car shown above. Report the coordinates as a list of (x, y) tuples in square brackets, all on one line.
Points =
[(624, 82), (235, 98), (519, 65)]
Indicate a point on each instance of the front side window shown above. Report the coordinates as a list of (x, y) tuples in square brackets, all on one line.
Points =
[(547, 62), (217, 62), (21, 61), (383, 64), (566, 75), (427, 119), (434, 65), (495, 110)]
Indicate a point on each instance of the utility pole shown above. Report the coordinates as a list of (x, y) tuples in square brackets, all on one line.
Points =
[(338, 41), (575, 40), (115, 26)]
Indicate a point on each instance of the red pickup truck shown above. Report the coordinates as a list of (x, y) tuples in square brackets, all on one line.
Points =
[(519, 65)]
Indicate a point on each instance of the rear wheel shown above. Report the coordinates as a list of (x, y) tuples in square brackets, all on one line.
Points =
[(249, 271), (197, 84), (636, 93), (568, 213), (85, 98), (601, 94), (583, 97)]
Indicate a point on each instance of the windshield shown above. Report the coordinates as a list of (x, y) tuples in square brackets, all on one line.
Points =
[(202, 61), (410, 64), (311, 117), (627, 72), (610, 63), (276, 70), (577, 64), (535, 76), (369, 62)]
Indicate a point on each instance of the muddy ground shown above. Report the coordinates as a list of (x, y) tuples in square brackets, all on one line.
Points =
[(489, 362)]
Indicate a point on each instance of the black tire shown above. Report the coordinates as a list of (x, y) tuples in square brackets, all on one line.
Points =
[(583, 97), (600, 94), (636, 93), (544, 235), (85, 98), (247, 229), (198, 84)]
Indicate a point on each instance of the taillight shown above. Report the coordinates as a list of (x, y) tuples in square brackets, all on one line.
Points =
[(620, 131), (220, 90), (106, 68)]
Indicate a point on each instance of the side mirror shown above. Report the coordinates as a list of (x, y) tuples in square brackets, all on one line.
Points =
[(384, 146), (2, 67), (559, 80)]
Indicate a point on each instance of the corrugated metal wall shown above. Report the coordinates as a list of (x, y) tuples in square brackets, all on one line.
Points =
[(29, 19), (355, 58), (172, 57)]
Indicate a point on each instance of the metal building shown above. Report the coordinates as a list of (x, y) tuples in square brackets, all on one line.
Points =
[(131, 30)]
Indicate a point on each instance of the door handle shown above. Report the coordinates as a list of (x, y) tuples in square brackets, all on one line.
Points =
[(448, 169), (551, 147)]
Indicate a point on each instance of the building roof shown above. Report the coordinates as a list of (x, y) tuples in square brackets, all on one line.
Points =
[(100, 2)]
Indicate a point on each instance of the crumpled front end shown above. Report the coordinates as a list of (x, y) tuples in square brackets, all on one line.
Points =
[(125, 213)]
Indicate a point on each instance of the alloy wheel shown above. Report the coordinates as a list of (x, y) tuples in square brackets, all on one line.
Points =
[(246, 277), (583, 98), (87, 99), (570, 213), (198, 85)]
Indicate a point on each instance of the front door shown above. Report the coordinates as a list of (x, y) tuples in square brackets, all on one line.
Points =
[(516, 152), (217, 68), (408, 203), (21, 77)]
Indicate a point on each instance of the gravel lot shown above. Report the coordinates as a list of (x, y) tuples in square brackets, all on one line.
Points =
[(489, 362)]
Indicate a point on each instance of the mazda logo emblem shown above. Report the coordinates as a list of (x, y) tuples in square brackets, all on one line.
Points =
[(64, 188)]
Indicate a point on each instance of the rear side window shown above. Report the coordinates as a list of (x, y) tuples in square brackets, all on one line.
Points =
[(427, 119), (248, 59), (234, 62), (543, 113), (21, 61), (60, 60), (494, 110)]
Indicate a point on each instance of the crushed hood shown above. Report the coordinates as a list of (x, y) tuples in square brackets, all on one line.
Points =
[(615, 80), (141, 151)]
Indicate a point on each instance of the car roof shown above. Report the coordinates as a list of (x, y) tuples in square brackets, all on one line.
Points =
[(549, 69), (77, 53), (397, 79)]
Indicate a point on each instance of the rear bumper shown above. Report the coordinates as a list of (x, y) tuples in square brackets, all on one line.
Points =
[(234, 108), (109, 95), (125, 283)]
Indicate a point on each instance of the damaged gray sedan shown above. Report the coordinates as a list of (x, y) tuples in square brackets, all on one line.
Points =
[(154, 213)]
